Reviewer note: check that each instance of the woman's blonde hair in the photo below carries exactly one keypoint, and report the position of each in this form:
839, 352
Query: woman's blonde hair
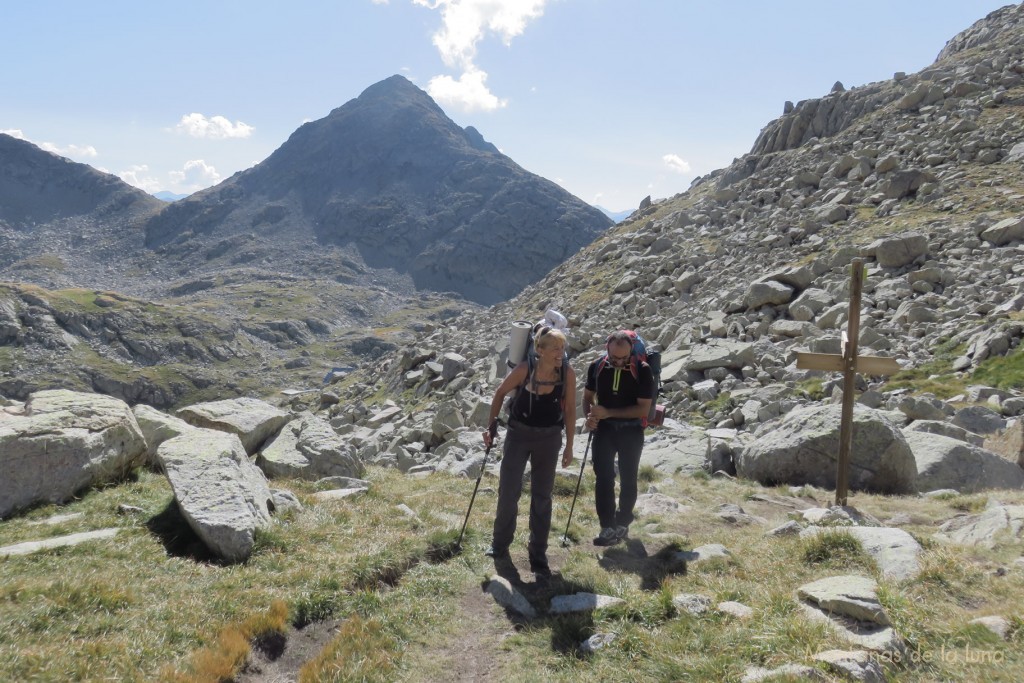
545, 333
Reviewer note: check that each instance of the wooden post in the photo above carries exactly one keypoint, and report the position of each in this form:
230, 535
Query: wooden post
849, 381
849, 364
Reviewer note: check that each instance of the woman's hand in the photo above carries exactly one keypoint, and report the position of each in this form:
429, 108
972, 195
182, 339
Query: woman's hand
487, 438
567, 456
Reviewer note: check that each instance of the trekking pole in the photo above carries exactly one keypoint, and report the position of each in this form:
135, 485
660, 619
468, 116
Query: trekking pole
483, 466
565, 536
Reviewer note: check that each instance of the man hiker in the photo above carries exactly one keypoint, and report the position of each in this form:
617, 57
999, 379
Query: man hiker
617, 398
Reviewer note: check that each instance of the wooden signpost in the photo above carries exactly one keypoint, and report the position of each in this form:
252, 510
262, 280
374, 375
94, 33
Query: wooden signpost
849, 364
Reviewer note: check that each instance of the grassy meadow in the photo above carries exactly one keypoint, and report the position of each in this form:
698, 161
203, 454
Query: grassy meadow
404, 604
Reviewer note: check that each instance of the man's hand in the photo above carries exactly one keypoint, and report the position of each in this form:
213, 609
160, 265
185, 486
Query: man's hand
598, 413
566, 456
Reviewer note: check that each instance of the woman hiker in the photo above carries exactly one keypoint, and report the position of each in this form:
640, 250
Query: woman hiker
543, 406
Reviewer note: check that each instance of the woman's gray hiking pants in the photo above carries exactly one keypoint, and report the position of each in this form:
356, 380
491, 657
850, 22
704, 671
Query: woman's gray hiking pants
541, 446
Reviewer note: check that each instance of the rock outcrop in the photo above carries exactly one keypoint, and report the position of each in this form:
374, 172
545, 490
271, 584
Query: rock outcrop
60, 442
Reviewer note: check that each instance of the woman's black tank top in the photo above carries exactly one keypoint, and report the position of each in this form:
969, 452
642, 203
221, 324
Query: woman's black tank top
545, 411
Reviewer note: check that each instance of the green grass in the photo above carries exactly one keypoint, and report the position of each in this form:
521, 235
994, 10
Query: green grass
1002, 372
137, 609
40, 262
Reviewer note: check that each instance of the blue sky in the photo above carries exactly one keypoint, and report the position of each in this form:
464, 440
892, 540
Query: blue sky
612, 99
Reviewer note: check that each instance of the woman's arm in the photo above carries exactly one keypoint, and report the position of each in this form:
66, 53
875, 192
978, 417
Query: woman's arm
512, 380
569, 413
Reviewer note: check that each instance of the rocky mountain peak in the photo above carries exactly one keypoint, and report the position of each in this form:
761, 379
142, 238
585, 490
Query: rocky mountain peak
389, 174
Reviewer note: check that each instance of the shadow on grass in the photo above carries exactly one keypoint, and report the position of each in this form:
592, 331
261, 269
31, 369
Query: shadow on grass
177, 537
633, 557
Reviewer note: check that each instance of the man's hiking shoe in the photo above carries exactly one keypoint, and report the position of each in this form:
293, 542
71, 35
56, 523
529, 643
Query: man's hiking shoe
622, 532
607, 537
497, 553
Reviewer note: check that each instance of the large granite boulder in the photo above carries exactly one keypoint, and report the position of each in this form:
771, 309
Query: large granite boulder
224, 497
252, 420
157, 427
60, 442
308, 448
804, 449
945, 463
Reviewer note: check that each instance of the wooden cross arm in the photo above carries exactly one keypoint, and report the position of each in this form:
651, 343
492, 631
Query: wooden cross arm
868, 365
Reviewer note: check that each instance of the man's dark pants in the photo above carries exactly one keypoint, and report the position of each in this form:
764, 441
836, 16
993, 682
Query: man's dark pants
626, 441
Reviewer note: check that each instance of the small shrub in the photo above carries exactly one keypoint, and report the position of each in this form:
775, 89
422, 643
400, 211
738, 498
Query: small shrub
835, 548
647, 474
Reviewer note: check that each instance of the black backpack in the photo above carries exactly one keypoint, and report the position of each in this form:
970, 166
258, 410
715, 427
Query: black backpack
531, 374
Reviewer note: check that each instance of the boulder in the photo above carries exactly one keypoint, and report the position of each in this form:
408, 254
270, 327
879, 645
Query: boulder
157, 427
309, 448
979, 419
803, 448
945, 429
899, 250
252, 420
720, 353
60, 442
224, 497
1005, 231
945, 463
767, 293
1010, 443
985, 528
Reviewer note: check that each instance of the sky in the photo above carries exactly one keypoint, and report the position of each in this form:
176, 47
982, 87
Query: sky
614, 100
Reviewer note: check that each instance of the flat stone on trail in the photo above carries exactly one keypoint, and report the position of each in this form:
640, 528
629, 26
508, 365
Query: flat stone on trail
29, 547
893, 550
509, 598
582, 602
339, 494
849, 606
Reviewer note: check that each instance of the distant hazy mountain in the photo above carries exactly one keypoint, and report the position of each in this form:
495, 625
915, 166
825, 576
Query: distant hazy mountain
391, 175
614, 215
167, 196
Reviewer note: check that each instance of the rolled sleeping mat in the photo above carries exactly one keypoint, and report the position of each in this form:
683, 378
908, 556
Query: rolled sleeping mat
518, 340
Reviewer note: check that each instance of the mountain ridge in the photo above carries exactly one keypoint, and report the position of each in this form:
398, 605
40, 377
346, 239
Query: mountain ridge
389, 173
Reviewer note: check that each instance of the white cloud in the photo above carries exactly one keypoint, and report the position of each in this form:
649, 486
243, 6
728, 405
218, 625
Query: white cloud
676, 163
464, 24
71, 151
468, 93
213, 128
196, 175
14, 133
140, 178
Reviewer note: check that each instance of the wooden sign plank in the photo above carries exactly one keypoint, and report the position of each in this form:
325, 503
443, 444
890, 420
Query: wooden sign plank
830, 362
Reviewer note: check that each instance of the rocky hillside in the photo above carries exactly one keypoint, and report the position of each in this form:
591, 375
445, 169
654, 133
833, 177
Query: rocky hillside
58, 216
390, 174
919, 175
261, 335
